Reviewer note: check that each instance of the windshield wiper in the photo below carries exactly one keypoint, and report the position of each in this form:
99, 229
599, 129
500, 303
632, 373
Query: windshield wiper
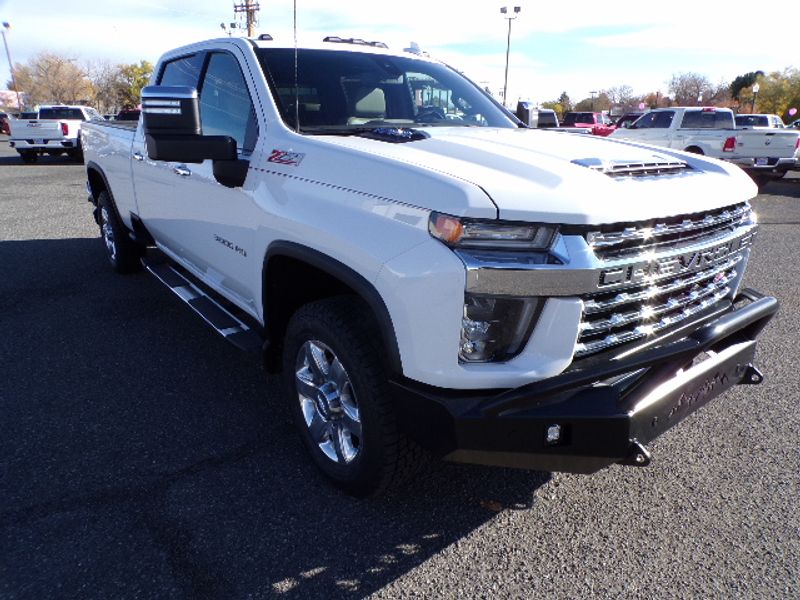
382, 133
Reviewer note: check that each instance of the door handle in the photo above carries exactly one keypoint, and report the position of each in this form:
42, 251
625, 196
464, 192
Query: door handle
181, 170
138, 156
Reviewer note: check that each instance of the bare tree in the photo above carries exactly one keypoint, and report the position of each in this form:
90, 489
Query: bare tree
106, 81
690, 89
48, 77
621, 96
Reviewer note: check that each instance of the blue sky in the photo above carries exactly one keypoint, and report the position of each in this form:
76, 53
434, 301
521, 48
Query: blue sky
575, 47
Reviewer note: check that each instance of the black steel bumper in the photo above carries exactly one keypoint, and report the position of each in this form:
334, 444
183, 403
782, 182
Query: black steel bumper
588, 418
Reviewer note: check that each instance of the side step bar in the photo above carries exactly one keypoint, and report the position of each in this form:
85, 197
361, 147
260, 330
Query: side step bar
212, 312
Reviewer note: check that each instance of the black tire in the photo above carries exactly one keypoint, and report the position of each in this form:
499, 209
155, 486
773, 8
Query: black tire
694, 150
384, 458
76, 154
28, 156
123, 253
761, 181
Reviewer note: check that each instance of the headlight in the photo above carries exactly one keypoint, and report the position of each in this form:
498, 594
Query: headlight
470, 233
495, 329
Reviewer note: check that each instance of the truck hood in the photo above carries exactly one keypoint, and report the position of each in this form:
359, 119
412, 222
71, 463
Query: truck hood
560, 177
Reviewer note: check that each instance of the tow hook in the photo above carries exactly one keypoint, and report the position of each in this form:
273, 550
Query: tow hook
751, 376
638, 455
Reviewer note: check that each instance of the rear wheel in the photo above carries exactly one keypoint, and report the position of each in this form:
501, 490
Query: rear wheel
28, 156
339, 397
123, 253
76, 154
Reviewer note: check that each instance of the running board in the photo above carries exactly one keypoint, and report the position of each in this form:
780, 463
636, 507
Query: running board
212, 312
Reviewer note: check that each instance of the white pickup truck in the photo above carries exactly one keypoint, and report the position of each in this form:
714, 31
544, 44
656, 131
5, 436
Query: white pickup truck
763, 154
56, 131
431, 277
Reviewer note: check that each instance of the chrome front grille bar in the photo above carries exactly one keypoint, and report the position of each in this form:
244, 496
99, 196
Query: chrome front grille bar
647, 312
615, 339
593, 306
599, 240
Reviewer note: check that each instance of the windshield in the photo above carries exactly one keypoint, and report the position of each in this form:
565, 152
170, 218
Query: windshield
752, 121
577, 117
345, 91
61, 113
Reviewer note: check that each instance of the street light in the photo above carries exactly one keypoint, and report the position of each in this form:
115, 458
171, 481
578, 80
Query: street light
504, 11
6, 27
756, 87
593, 93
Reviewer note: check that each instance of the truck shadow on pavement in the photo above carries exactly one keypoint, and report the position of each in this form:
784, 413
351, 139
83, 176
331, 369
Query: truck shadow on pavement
788, 186
44, 161
144, 456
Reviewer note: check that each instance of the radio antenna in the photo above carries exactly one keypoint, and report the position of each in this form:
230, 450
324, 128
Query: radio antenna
296, 88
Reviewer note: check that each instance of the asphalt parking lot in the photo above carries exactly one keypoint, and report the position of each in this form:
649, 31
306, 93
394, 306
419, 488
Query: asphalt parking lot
141, 456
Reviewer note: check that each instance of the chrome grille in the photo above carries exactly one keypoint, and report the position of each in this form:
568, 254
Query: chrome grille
639, 238
654, 303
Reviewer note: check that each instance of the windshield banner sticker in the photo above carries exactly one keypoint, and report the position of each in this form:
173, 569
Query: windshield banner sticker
282, 157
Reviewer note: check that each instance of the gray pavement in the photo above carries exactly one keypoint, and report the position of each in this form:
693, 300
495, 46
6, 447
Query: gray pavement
141, 456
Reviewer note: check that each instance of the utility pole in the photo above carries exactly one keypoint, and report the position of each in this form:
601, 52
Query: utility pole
249, 8
509, 17
6, 27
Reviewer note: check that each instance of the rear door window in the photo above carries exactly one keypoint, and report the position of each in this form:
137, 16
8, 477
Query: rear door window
707, 119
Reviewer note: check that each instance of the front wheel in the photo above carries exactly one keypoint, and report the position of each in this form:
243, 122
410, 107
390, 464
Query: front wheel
123, 253
339, 397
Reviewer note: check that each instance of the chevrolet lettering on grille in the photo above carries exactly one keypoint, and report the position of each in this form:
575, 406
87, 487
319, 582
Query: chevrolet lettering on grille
673, 265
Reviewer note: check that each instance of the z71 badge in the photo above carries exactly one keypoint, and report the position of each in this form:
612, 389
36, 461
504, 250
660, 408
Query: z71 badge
282, 157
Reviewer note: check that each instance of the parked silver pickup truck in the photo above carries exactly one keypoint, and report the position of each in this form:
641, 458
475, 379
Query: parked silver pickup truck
763, 154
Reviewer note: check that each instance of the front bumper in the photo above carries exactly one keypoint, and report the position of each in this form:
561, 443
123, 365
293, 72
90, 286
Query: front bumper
604, 413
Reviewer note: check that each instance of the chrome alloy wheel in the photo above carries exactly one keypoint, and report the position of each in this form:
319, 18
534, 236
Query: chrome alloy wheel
328, 402
108, 234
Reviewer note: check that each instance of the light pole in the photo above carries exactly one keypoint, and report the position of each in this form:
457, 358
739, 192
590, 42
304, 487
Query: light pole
593, 95
508, 18
756, 87
6, 27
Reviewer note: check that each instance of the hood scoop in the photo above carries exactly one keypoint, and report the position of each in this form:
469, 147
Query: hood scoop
659, 165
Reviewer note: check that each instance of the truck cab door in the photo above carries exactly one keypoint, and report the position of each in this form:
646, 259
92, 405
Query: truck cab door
205, 226
662, 133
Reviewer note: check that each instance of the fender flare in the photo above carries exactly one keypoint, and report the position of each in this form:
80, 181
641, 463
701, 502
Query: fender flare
93, 167
349, 277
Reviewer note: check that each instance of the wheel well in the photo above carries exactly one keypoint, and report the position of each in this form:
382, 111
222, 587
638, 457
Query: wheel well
291, 282
97, 183
694, 150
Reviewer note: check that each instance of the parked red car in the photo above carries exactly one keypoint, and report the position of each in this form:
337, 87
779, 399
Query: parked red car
4, 126
598, 123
